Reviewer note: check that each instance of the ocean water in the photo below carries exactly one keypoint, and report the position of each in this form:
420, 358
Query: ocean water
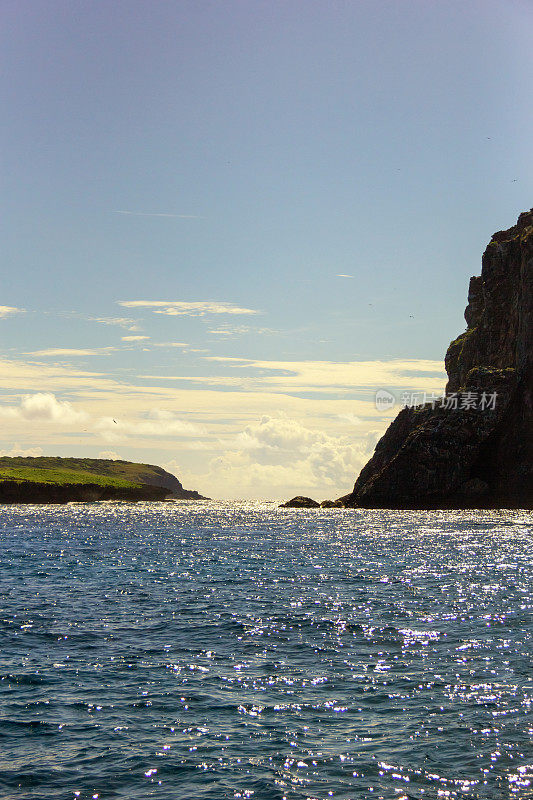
210, 650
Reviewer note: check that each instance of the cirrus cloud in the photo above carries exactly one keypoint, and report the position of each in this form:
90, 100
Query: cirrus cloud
72, 351
157, 422
180, 308
122, 322
7, 311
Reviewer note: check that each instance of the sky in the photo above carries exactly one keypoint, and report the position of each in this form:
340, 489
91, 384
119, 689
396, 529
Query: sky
226, 225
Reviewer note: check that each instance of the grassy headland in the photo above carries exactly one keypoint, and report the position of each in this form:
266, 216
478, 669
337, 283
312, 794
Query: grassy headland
51, 479
59, 477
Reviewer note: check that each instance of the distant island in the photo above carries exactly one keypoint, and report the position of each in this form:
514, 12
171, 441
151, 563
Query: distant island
52, 479
474, 449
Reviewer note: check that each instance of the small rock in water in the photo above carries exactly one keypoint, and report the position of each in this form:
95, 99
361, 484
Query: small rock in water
300, 502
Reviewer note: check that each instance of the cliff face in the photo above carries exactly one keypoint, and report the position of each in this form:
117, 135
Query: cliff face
479, 456
35, 492
160, 477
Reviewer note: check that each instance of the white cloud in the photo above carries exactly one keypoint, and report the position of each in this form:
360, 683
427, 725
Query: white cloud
7, 311
121, 322
332, 376
182, 308
133, 338
110, 454
43, 407
341, 275
72, 351
351, 418
282, 441
171, 344
356, 378
279, 457
229, 359
173, 467
228, 330
17, 450
371, 439
157, 422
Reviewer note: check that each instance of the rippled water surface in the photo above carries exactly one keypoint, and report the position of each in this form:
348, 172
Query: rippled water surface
243, 651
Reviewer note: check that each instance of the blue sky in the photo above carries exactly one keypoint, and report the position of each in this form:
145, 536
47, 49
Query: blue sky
230, 161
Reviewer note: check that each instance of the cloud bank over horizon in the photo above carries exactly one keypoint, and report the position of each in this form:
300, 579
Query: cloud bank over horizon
274, 427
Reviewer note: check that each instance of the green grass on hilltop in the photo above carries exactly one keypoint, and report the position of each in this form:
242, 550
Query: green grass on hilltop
60, 477
124, 470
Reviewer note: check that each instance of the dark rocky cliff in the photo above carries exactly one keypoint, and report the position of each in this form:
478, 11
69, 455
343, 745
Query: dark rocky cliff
477, 457
35, 492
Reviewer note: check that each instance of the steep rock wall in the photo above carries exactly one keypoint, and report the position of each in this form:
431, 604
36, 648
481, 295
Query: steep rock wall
471, 457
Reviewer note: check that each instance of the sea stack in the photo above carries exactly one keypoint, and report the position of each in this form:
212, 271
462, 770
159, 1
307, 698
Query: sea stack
475, 450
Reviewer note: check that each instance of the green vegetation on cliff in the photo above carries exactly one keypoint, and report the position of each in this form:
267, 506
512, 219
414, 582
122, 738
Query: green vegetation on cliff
55, 479
60, 477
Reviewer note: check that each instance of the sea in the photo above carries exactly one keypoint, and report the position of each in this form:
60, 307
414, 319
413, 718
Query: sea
211, 650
